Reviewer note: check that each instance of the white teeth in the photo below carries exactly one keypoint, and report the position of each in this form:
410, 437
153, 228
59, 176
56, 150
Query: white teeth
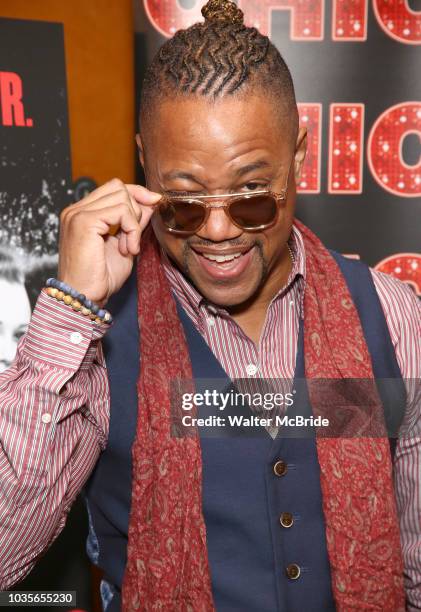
221, 258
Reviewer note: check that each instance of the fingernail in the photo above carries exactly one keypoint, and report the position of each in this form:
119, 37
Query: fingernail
153, 196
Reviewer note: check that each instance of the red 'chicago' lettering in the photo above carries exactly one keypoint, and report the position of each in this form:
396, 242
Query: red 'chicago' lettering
346, 149
384, 149
395, 17
306, 22
346, 132
170, 16
311, 118
12, 110
398, 20
307, 17
404, 266
349, 20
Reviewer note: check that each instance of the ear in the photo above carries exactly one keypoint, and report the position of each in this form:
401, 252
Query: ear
141, 150
300, 152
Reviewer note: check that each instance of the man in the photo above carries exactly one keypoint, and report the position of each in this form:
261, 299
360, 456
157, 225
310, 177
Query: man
225, 287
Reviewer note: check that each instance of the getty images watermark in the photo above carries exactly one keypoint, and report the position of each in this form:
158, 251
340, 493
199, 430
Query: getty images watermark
300, 408
220, 401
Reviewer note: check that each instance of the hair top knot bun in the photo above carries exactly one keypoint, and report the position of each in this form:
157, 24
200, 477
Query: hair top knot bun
222, 11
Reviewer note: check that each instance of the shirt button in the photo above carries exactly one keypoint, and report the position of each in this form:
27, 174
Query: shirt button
46, 417
286, 519
76, 338
211, 322
280, 468
251, 369
293, 571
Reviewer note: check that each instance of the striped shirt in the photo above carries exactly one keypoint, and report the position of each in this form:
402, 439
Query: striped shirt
54, 407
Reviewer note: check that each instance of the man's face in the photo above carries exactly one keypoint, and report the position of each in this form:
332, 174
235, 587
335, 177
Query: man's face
238, 144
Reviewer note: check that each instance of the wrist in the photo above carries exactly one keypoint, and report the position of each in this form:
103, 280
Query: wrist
63, 292
82, 289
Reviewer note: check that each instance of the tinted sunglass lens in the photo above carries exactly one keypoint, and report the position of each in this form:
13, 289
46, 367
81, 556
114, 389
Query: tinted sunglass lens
182, 216
254, 211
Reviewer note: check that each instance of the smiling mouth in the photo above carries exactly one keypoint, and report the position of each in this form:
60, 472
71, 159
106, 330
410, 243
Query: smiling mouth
228, 264
221, 258
212, 253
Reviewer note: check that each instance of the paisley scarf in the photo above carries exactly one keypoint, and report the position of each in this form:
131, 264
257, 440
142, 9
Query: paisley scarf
167, 567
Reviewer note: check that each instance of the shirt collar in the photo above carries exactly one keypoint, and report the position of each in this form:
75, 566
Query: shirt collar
186, 292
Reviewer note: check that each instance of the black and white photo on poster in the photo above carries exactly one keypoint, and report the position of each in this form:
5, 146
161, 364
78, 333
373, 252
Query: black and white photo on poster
35, 171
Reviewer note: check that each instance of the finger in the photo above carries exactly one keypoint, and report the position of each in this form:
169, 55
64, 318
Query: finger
114, 229
122, 244
110, 186
121, 196
134, 195
132, 202
104, 199
142, 212
143, 196
147, 200
100, 221
130, 232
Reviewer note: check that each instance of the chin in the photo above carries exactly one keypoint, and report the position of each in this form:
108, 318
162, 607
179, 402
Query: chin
227, 297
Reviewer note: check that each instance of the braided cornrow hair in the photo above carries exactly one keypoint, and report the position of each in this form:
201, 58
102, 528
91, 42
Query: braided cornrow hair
217, 57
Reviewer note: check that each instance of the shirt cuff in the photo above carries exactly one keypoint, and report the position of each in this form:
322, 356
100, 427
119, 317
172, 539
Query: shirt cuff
61, 337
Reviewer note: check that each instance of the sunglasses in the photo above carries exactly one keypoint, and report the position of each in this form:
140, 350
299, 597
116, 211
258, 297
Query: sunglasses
248, 211
254, 211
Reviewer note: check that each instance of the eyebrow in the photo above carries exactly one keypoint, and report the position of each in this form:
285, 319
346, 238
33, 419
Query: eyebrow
180, 174
257, 165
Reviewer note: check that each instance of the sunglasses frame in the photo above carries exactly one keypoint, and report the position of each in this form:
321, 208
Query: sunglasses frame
228, 200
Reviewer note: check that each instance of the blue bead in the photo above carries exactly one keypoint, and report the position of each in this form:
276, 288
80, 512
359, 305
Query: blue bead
88, 304
95, 308
101, 313
81, 298
73, 293
50, 282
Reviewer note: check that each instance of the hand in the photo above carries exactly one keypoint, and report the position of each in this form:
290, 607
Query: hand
91, 260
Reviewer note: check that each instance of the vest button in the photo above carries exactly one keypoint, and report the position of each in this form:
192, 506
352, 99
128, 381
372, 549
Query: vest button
280, 468
293, 571
286, 519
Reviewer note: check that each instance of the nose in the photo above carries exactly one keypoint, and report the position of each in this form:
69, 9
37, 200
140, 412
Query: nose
219, 226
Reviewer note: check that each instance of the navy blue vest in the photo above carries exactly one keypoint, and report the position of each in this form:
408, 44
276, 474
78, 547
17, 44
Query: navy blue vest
248, 547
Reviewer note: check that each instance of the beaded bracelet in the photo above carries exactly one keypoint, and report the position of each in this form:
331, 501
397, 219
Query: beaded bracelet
79, 302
